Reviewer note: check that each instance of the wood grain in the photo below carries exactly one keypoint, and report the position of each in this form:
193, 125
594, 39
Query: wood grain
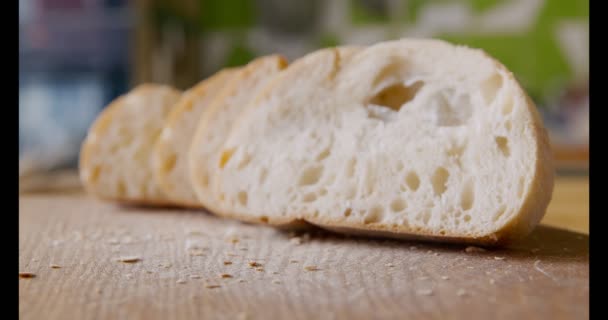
183, 253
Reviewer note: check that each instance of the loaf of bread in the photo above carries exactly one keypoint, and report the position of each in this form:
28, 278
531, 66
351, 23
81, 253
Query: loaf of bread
171, 152
409, 138
218, 118
116, 160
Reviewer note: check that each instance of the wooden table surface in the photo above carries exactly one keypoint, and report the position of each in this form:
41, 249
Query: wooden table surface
94, 260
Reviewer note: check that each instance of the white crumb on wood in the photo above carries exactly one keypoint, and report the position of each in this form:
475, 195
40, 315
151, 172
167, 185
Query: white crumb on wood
445, 277
424, 292
461, 292
492, 281
181, 281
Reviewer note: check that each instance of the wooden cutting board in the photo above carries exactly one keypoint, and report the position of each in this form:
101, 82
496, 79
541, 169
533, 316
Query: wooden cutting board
95, 260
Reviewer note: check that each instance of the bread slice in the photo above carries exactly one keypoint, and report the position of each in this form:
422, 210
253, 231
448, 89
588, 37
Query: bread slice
217, 119
116, 156
412, 138
171, 152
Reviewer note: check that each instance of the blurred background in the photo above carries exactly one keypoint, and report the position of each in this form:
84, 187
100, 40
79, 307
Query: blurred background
78, 55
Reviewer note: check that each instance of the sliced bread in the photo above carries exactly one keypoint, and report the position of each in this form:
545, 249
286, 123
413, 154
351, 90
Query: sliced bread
116, 156
217, 119
412, 138
171, 152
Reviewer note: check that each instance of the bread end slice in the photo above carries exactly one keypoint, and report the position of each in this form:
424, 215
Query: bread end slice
116, 156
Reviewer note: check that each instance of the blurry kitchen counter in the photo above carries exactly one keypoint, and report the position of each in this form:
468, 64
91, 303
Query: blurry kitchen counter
569, 208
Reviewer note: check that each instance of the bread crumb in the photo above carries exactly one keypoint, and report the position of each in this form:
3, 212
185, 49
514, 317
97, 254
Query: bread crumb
311, 268
233, 240
492, 281
54, 266
276, 281
470, 267
232, 254
195, 276
412, 268
225, 275
243, 249
227, 263
436, 253
293, 261
212, 286
413, 247
296, 241
423, 278
254, 264
275, 272
261, 269
424, 292
430, 251
27, 275
149, 271
129, 259
196, 251
242, 280
390, 265
499, 258
461, 292
445, 277
181, 281
472, 249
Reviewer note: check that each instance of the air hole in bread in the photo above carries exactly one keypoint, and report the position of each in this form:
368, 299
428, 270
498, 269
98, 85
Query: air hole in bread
347, 212
490, 87
225, 157
310, 176
374, 215
264, 219
242, 198
309, 197
508, 125
385, 105
94, 174
439, 180
503, 145
398, 205
449, 110
442, 232
324, 154
456, 150
322, 192
508, 106
467, 196
412, 180
499, 213
466, 218
169, 163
